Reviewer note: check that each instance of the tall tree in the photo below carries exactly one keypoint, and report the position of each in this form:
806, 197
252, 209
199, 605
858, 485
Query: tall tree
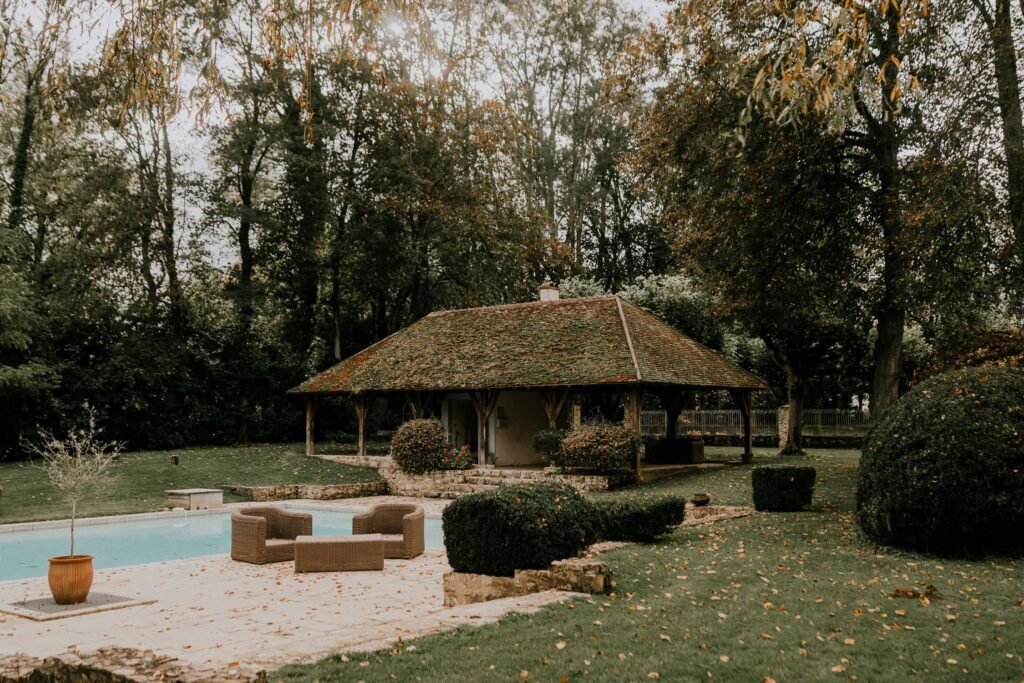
854, 66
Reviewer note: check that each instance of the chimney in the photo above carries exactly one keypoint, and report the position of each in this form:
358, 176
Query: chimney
548, 292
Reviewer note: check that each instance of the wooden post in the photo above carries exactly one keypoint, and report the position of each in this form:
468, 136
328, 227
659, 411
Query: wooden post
634, 401
742, 398
483, 402
672, 400
310, 410
416, 402
554, 404
362, 407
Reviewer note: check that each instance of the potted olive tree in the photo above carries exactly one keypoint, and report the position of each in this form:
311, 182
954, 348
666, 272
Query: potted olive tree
74, 465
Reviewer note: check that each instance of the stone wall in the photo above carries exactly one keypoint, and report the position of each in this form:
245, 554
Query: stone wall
371, 461
428, 485
263, 494
578, 575
454, 483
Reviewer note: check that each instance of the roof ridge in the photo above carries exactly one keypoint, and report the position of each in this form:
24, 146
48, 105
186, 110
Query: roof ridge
690, 339
555, 302
629, 337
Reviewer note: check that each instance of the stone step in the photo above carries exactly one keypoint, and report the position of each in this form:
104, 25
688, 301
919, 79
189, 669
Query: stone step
490, 481
469, 487
507, 474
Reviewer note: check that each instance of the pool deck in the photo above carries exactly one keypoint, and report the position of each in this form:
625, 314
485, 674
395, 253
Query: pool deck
216, 619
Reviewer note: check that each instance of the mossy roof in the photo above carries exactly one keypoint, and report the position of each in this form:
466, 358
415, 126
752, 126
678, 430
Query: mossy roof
586, 342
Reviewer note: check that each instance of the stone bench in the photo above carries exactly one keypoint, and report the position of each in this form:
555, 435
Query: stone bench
195, 499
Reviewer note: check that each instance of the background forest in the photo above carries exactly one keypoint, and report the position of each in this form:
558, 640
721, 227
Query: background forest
199, 210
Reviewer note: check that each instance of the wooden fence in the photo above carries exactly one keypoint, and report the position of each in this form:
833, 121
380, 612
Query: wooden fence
817, 422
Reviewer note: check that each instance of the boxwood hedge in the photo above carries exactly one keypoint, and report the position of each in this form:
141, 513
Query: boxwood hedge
638, 519
943, 470
783, 489
524, 526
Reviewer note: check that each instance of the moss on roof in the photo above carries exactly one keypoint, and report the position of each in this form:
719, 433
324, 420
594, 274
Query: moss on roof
569, 342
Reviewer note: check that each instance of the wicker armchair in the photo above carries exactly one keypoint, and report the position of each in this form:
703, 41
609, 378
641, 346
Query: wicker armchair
401, 525
267, 534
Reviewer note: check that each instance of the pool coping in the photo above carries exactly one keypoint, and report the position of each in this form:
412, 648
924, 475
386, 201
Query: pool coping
295, 503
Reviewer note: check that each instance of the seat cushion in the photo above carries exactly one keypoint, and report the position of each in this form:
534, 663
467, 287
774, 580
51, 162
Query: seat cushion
394, 546
280, 550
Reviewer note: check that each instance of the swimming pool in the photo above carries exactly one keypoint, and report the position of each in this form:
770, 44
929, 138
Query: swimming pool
170, 536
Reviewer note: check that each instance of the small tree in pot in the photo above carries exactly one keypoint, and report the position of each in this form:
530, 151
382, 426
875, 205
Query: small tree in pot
74, 465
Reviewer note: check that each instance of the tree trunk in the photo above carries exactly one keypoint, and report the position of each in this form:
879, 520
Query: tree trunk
246, 300
891, 311
1008, 89
169, 257
19, 171
795, 433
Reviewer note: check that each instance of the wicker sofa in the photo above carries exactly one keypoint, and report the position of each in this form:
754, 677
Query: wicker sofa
401, 525
267, 534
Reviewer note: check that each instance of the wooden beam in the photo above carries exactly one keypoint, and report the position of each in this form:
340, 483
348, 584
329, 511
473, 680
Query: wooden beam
633, 402
362, 407
554, 404
673, 400
483, 402
310, 410
415, 401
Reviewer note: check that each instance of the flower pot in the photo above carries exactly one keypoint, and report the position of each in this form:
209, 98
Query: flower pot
70, 578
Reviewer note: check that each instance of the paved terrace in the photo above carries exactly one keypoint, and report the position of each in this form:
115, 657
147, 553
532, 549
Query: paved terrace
215, 619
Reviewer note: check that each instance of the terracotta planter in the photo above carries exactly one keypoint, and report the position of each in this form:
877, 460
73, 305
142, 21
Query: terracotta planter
70, 578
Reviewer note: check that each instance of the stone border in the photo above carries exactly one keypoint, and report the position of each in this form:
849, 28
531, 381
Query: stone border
263, 494
453, 483
575, 575
697, 516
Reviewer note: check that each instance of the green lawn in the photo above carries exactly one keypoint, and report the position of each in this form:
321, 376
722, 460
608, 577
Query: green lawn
789, 597
139, 480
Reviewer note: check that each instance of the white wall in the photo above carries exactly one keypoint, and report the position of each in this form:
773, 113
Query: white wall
518, 416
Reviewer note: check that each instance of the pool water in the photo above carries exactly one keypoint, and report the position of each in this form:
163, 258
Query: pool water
25, 554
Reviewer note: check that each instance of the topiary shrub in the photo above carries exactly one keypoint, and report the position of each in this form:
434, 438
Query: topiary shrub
517, 527
548, 442
783, 489
638, 519
603, 447
420, 446
943, 470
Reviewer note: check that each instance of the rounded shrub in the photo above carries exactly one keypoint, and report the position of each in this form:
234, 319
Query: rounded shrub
603, 447
422, 446
783, 489
943, 470
548, 442
638, 519
517, 527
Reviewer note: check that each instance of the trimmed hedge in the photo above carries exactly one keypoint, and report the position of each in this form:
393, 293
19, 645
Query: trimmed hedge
783, 489
603, 447
517, 527
638, 519
548, 442
943, 470
420, 446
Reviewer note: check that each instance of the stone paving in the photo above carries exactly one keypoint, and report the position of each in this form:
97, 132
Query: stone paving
216, 619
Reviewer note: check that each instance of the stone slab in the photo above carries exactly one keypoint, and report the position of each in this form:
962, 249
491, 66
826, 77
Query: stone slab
195, 499
45, 609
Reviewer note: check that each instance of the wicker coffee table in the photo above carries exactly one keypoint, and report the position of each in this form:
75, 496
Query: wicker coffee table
339, 553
